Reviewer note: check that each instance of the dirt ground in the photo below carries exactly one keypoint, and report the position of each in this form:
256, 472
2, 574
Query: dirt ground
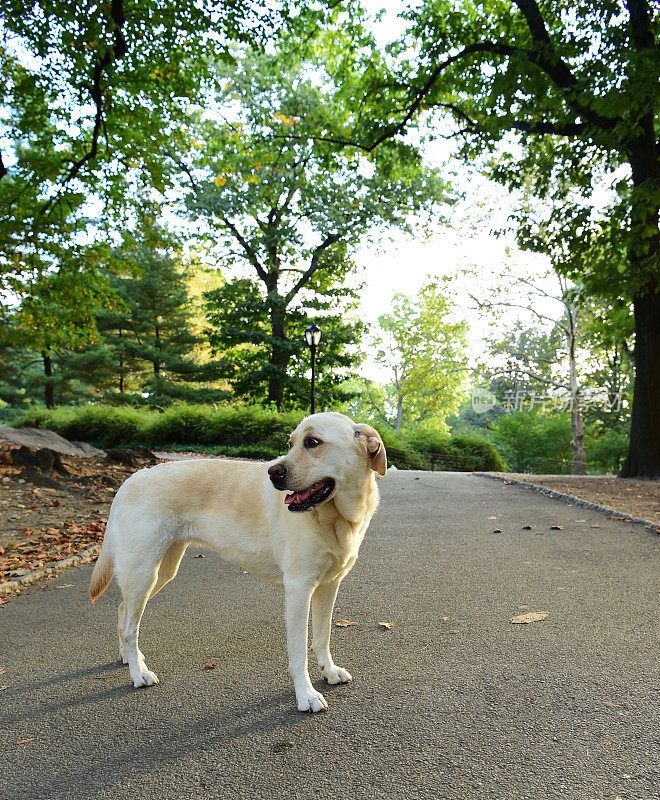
48, 516
638, 498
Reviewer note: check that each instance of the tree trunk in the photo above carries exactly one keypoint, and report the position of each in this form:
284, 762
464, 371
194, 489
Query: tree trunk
49, 389
279, 359
121, 364
399, 413
156, 361
578, 457
643, 459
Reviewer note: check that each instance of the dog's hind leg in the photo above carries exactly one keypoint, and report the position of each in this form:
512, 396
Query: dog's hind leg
167, 569
323, 602
136, 585
169, 566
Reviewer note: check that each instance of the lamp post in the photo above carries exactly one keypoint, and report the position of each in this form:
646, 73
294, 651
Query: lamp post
312, 337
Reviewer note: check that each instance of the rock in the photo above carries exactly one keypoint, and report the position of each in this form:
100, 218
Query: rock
131, 458
43, 459
39, 438
36, 477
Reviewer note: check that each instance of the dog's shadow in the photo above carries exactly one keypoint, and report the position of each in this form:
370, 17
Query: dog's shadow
273, 720
37, 709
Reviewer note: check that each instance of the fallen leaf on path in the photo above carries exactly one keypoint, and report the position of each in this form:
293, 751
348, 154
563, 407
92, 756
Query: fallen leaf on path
344, 623
527, 527
556, 527
387, 625
210, 666
24, 741
532, 616
497, 530
200, 555
492, 517
280, 747
2, 688
64, 586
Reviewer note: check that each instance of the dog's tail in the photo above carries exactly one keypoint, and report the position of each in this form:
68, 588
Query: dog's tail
103, 571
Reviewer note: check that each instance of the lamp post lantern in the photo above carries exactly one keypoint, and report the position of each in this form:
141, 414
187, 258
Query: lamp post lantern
312, 337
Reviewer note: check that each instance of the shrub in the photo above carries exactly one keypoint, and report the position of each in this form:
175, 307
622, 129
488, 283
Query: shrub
244, 431
478, 454
399, 453
252, 429
606, 452
460, 453
533, 442
107, 426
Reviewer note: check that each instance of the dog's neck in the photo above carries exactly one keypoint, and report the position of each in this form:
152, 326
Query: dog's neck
352, 513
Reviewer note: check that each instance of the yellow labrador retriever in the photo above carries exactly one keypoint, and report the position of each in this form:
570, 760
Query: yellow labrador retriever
237, 508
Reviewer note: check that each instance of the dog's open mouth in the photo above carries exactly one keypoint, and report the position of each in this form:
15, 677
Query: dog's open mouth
307, 499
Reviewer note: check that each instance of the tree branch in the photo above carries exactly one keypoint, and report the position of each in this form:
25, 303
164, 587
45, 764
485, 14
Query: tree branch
96, 91
553, 128
327, 242
184, 168
249, 251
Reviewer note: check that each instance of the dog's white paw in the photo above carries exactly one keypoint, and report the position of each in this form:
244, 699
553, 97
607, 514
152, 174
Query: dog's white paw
336, 674
144, 677
312, 700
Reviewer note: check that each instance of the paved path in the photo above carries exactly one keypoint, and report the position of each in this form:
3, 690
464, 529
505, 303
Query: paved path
454, 702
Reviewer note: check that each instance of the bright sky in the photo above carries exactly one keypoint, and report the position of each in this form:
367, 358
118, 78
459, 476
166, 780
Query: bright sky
405, 263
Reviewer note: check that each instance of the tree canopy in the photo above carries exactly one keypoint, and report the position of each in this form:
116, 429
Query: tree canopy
560, 96
287, 206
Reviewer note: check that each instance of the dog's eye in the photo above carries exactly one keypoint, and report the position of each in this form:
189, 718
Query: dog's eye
311, 442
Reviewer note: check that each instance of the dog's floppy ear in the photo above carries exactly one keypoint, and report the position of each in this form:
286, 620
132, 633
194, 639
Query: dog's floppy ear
369, 438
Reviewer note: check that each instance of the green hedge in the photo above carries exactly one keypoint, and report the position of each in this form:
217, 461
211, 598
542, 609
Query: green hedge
246, 431
459, 453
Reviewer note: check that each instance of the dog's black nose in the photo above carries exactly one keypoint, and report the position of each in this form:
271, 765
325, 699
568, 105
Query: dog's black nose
277, 473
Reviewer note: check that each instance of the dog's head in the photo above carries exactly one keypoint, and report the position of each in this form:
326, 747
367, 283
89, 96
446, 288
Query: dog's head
328, 453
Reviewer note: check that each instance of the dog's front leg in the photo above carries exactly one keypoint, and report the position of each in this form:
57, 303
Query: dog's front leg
323, 602
297, 594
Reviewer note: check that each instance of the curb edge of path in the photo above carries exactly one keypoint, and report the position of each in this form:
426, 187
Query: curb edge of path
569, 498
32, 577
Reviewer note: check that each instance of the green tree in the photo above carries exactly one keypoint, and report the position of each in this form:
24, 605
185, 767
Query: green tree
288, 206
577, 85
240, 334
424, 350
57, 309
151, 335
91, 98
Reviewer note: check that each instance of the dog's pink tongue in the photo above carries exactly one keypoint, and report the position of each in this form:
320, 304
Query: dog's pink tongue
297, 497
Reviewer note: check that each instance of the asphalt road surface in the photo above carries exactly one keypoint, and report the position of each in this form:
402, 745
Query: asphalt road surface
453, 702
